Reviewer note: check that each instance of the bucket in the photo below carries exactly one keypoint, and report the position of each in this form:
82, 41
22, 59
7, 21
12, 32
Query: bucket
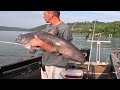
73, 74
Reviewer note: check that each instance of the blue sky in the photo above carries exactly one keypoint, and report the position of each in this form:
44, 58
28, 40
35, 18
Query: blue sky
30, 19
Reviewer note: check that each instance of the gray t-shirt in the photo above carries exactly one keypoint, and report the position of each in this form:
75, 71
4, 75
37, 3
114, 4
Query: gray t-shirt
62, 30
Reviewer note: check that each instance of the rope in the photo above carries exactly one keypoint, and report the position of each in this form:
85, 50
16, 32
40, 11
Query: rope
10, 43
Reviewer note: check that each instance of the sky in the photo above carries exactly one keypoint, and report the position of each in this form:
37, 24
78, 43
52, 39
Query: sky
31, 19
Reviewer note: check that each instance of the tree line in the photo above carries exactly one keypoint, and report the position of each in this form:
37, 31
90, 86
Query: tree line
104, 28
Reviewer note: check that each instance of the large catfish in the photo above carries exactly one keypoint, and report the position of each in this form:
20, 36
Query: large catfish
60, 45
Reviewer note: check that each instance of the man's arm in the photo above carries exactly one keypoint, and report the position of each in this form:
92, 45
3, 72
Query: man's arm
37, 42
67, 34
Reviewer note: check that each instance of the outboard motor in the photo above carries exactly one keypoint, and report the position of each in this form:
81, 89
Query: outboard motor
86, 52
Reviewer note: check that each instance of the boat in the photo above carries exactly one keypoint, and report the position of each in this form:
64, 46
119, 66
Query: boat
115, 70
29, 68
92, 69
95, 69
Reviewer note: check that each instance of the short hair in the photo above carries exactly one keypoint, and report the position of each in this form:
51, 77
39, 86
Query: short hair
56, 13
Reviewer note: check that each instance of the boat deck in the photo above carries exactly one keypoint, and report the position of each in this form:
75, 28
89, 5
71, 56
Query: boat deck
26, 69
99, 70
116, 65
30, 69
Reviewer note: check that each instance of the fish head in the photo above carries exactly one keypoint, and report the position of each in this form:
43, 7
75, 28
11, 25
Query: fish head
21, 39
24, 39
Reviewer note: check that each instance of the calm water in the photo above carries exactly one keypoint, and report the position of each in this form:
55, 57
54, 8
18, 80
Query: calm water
10, 53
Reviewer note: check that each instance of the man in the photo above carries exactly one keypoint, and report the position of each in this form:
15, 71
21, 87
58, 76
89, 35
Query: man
55, 65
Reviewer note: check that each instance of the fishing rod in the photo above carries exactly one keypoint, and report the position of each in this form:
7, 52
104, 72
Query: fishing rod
73, 26
91, 46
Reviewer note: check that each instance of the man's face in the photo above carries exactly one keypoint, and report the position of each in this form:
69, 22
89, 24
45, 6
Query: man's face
47, 16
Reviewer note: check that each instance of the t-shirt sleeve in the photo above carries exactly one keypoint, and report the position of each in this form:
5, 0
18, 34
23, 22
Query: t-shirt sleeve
67, 34
47, 28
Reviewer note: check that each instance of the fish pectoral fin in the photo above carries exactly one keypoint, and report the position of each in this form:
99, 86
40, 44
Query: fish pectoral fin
32, 51
56, 52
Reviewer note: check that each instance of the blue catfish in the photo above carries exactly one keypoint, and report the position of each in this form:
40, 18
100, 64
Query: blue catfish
60, 45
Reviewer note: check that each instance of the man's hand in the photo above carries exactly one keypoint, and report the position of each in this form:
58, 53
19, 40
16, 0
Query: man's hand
37, 42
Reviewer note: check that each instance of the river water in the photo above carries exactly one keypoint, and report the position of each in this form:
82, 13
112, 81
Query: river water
10, 53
